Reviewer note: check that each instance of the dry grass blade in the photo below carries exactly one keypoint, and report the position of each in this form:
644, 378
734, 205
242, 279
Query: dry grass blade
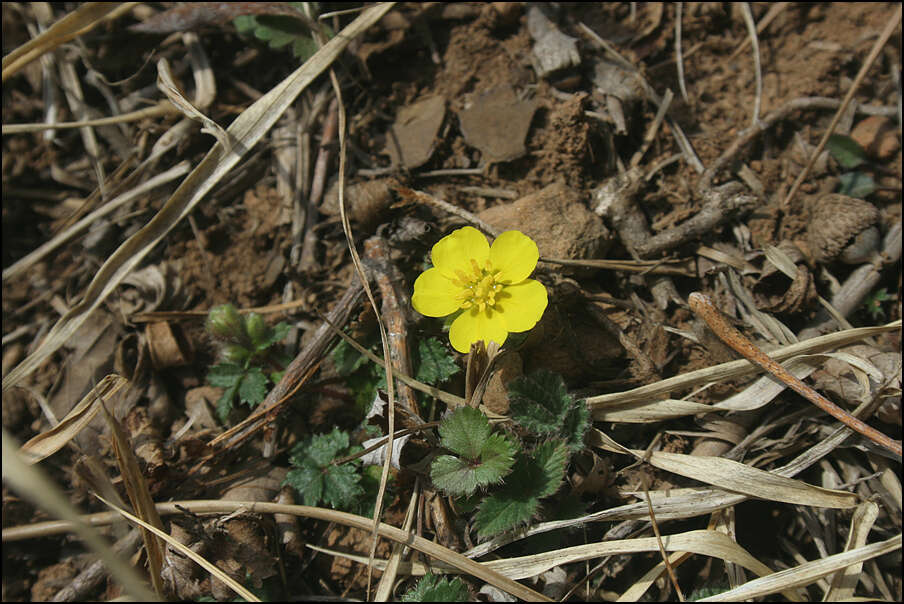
219, 574
49, 442
35, 486
806, 573
434, 550
246, 131
734, 369
139, 495
22, 265
741, 478
80, 21
703, 542
844, 583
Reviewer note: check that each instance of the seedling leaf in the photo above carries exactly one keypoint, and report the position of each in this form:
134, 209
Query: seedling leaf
846, 151
435, 589
465, 432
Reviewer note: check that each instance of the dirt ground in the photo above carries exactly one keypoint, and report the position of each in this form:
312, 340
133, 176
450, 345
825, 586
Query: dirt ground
518, 115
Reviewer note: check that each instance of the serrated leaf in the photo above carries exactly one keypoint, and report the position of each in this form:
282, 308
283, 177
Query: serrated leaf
856, 184
320, 449
453, 475
575, 425
253, 387
341, 486
458, 476
435, 364
308, 481
224, 405
514, 505
435, 589
346, 359
550, 458
464, 432
846, 151
225, 375
539, 401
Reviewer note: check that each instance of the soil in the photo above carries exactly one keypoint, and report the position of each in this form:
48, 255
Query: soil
511, 147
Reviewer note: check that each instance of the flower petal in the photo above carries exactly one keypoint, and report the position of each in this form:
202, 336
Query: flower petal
522, 305
434, 295
454, 251
515, 255
473, 325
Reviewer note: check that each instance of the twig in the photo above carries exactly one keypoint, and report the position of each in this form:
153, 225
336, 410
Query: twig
704, 308
864, 69
395, 303
421, 197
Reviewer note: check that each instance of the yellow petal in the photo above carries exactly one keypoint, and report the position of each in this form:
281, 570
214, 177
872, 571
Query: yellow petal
515, 255
434, 295
473, 325
455, 251
522, 305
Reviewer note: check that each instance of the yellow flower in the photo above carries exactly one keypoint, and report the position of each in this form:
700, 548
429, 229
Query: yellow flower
488, 284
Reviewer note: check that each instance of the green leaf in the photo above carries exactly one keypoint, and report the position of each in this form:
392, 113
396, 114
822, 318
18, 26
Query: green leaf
464, 432
435, 364
540, 401
346, 359
485, 457
308, 481
846, 151
435, 589
340, 486
253, 387
514, 504
575, 425
550, 458
315, 477
320, 449
225, 375
224, 405
533, 477
856, 184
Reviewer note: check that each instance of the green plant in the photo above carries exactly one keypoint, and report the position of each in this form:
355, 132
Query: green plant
873, 303
850, 155
553, 426
317, 478
434, 365
246, 351
282, 30
479, 457
435, 589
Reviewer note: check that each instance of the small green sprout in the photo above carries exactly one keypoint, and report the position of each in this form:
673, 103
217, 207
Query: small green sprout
246, 351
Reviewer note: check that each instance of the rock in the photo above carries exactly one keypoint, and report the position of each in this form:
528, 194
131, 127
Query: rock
878, 136
557, 219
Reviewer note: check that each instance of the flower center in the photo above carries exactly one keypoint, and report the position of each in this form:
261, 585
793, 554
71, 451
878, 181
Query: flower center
479, 287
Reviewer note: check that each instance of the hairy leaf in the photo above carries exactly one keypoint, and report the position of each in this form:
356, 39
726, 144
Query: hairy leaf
435, 589
465, 432
435, 364
539, 401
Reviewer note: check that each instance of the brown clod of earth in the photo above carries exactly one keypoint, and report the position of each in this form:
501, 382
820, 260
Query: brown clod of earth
412, 136
836, 222
496, 123
557, 219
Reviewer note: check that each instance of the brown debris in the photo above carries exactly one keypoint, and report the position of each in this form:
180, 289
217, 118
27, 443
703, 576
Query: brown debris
496, 122
413, 135
842, 227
